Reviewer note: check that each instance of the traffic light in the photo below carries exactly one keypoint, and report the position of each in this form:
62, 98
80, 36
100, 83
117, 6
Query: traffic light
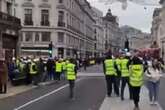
50, 49
126, 46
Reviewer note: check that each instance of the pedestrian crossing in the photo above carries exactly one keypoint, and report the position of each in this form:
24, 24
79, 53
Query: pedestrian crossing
115, 103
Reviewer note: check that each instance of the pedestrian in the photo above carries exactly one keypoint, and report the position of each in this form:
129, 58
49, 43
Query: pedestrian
3, 76
110, 69
58, 69
125, 76
63, 69
153, 82
34, 72
136, 79
50, 71
118, 62
71, 73
40, 69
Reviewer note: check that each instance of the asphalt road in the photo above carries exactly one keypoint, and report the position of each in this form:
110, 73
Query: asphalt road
90, 93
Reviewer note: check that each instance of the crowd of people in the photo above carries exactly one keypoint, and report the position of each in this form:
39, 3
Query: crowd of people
26, 70
135, 71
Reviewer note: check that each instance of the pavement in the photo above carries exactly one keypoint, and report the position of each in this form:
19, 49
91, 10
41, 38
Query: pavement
115, 103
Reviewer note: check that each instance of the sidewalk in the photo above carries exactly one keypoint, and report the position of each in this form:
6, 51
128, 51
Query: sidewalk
115, 103
14, 90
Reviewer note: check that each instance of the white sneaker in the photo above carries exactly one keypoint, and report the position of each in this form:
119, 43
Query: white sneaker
156, 103
151, 102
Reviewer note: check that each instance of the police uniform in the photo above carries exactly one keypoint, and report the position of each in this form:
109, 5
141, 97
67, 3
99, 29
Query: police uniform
110, 72
125, 77
136, 80
58, 68
71, 77
33, 72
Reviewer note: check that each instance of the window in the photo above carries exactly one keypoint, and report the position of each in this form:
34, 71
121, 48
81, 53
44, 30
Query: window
9, 8
60, 1
28, 17
45, 36
60, 37
28, 36
45, 17
61, 19
37, 37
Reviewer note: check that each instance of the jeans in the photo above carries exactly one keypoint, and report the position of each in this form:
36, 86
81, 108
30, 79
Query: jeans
153, 88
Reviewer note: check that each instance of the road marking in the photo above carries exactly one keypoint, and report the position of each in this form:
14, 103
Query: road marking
42, 97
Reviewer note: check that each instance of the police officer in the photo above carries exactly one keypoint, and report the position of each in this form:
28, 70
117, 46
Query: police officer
110, 71
125, 76
58, 69
71, 73
64, 68
118, 62
136, 79
33, 72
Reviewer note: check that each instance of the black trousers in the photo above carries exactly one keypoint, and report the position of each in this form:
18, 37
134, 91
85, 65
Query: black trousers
3, 88
125, 80
111, 81
71, 87
58, 76
136, 95
35, 79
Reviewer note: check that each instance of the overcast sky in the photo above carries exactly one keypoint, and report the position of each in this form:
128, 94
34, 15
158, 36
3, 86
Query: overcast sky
135, 15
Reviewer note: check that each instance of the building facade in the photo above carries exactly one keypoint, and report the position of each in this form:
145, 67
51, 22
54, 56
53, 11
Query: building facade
158, 27
136, 38
65, 23
99, 32
113, 37
9, 29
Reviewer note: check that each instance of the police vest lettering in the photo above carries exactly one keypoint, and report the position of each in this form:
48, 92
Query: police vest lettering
124, 68
136, 76
109, 67
71, 75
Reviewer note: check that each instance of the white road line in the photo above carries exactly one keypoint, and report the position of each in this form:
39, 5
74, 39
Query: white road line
42, 97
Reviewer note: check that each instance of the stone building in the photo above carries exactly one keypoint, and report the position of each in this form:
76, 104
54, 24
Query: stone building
158, 27
136, 38
65, 23
113, 37
9, 29
99, 32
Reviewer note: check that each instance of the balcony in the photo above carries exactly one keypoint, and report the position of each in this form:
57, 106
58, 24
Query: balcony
61, 24
45, 23
7, 19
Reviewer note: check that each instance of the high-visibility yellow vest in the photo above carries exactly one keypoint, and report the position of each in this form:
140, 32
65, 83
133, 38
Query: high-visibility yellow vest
64, 65
71, 75
21, 67
32, 70
109, 67
124, 68
136, 75
118, 62
58, 67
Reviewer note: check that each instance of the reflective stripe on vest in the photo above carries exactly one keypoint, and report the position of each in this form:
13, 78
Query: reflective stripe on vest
109, 67
136, 76
32, 71
71, 75
58, 67
124, 68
